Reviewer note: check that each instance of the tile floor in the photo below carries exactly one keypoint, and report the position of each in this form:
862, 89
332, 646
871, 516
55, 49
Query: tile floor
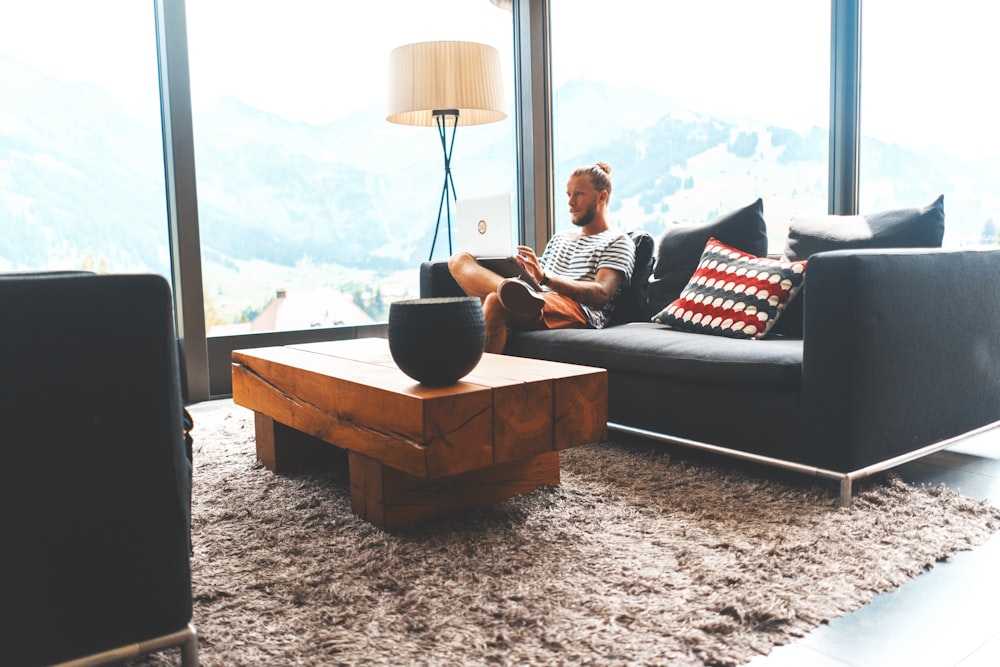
946, 617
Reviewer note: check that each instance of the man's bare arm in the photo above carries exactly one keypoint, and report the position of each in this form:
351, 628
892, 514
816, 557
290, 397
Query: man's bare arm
594, 293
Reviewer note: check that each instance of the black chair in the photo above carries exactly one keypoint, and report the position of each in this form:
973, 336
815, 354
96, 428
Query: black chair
95, 481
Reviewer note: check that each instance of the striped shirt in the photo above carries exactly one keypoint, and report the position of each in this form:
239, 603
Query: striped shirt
572, 255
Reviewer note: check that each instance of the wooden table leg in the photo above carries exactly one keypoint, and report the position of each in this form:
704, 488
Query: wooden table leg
391, 499
283, 449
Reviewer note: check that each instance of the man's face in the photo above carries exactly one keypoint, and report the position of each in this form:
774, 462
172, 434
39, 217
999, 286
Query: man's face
583, 199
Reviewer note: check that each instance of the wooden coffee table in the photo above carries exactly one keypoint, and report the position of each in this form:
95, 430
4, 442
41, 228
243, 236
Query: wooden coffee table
415, 452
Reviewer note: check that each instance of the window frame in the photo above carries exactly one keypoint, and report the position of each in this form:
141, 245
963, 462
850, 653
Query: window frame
207, 361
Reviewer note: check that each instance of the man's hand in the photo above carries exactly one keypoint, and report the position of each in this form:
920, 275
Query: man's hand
598, 292
526, 256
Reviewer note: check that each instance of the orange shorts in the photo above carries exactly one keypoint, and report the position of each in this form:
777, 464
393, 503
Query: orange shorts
561, 312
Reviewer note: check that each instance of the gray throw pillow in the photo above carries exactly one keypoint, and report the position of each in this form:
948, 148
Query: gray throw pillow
899, 228
679, 249
631, 303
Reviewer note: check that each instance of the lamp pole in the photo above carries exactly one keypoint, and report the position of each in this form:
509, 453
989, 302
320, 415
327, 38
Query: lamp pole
441, 120
432, 82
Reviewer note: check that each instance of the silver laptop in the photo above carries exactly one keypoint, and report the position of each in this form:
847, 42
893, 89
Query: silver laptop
484, 226
485, 229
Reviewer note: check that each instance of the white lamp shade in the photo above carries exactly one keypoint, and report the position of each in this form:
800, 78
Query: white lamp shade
430, 76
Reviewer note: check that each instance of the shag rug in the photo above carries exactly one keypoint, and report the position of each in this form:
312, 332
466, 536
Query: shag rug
635, 559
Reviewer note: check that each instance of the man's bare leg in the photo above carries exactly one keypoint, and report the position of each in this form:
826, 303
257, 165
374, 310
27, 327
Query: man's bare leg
474, 279
499, 320
496, 317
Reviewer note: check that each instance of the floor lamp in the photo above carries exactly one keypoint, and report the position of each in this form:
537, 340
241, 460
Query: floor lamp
442, 83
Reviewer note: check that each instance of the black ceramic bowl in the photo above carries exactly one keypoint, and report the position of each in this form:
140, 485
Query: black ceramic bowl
437, 341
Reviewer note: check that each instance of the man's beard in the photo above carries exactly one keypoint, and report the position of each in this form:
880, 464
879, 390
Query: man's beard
587, 217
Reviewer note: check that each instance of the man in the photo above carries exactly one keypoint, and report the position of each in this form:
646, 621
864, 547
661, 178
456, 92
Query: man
581, 271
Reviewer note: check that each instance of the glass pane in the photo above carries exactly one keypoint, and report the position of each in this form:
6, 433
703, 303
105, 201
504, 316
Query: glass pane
314, 210
928, 111
699, 107
81, 150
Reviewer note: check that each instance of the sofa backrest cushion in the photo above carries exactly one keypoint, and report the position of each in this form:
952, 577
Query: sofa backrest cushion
631, 303
436, 280
679, 250
898, 228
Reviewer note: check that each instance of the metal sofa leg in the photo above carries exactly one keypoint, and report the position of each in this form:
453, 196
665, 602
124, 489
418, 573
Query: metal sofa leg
846, 491
186, 640
189, 649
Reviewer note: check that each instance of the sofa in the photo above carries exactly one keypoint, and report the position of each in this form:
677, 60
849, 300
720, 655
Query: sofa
95, 565
885, 351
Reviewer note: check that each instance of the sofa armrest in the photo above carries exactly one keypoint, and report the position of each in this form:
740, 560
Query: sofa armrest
436, 280
900, 351
97, 554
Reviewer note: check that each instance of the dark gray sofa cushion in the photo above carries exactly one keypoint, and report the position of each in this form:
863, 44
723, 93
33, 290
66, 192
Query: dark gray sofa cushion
679, 249
645, 348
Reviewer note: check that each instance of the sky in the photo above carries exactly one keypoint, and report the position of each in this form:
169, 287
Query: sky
306, 60
702, 54
707, 56
56, 37
314, 60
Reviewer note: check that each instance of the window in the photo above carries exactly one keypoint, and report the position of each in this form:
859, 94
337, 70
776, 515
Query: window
81, 153
314, 210
699, 107
928, 109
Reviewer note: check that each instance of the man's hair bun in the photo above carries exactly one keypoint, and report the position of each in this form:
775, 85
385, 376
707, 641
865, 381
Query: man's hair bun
599, 174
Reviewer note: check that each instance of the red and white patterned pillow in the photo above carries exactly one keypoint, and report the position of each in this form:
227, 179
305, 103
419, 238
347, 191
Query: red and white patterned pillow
734, 294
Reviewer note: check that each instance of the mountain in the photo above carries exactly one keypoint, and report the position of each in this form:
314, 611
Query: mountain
81, 179
77, 174
359, 189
